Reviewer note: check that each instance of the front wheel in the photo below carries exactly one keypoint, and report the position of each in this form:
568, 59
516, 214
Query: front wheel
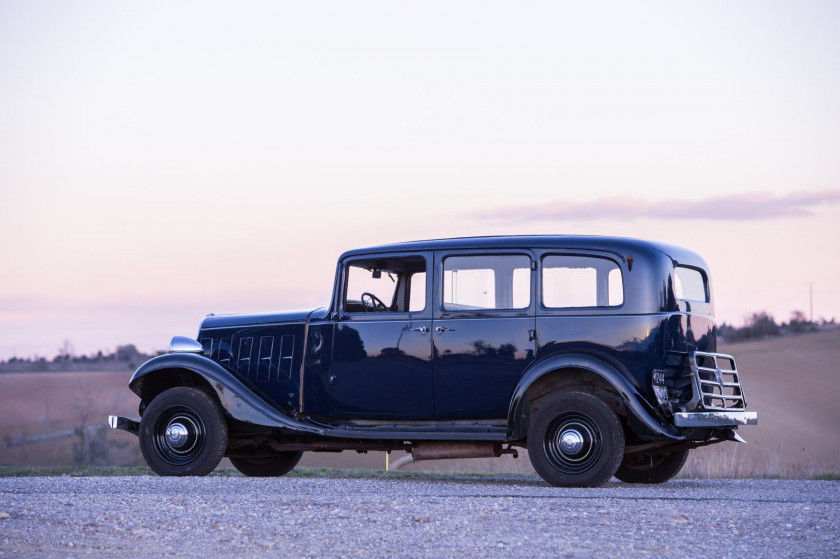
651, 469
183, 433
575, 440
274, 465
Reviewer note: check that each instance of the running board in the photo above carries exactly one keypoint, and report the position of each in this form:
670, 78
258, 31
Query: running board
495, 434
384, 432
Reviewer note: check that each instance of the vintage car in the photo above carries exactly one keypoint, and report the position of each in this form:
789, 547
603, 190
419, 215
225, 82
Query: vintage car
596, 354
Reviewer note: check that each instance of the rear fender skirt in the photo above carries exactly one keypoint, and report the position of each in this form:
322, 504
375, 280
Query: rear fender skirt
634, 402
236, 398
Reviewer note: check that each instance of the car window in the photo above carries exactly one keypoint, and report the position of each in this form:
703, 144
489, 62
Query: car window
385, 285
689, 284
570, 281
417, 295
486, 282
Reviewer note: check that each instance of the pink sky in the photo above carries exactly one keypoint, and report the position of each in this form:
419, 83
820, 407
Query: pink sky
161, 162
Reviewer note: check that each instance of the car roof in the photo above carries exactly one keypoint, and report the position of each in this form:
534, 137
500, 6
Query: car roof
619, 245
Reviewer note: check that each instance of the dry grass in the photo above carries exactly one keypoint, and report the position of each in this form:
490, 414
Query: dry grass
729, 460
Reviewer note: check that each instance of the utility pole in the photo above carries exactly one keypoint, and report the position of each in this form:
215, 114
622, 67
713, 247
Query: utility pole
811, 293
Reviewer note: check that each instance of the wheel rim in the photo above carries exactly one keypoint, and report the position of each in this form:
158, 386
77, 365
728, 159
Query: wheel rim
179, 435
573, 442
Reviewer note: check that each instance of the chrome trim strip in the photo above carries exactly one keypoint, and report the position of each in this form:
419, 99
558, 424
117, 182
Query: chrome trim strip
715, 418
183, 344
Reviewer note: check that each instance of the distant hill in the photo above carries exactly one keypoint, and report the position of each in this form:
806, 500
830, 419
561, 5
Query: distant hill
793, 382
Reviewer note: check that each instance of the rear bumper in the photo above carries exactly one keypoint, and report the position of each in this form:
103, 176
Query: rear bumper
716, 419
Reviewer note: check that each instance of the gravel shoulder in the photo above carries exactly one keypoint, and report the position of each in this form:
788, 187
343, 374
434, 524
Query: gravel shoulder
452, 516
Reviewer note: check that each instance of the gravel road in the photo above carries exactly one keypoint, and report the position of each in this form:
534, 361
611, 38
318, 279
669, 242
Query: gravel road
450, 517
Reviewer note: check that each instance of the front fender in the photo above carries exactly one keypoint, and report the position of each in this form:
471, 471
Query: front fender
634, 402
236, 398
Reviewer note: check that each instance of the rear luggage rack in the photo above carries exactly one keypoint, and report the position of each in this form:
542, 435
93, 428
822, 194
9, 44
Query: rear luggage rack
717, 382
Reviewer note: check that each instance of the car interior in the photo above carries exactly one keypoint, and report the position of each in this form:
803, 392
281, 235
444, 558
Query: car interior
385, 285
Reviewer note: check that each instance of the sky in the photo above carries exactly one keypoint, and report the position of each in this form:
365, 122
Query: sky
163, 160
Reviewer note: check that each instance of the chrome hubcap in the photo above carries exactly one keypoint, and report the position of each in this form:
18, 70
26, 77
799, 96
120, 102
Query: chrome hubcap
571, 441
180, 435
176, 435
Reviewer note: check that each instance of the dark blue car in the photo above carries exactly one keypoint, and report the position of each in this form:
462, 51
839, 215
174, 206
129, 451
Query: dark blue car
596, 354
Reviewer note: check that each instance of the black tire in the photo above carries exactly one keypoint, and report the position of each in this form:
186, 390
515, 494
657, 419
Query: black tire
183, 433
594, 444
275, 465
651, 469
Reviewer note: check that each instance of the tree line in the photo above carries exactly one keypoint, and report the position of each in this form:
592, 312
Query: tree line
760, 325
125, 357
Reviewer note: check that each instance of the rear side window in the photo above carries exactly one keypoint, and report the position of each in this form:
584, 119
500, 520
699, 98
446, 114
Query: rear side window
581, 281
690, 284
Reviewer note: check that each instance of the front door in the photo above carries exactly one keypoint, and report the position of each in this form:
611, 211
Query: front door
483, 331
382, 354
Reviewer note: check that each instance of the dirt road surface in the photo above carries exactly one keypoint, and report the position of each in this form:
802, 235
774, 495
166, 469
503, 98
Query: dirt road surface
455, 516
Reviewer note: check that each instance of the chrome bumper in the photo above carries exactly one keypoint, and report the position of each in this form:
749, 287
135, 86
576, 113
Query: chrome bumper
124, 424
715, 419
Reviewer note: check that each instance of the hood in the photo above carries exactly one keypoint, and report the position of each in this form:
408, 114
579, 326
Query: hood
236, 320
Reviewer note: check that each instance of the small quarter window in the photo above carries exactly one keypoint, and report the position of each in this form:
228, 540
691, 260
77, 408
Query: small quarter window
581, 281
417, 296
689, 284
486, 282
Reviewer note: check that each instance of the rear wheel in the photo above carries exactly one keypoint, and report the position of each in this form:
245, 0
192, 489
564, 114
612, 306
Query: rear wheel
266, 466
651, 469
575, 440
183, 433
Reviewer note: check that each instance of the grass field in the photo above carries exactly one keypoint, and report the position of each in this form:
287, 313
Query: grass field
794, 385
58, 419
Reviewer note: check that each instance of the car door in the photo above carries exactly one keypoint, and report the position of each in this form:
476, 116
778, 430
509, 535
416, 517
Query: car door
382, 352
483, 330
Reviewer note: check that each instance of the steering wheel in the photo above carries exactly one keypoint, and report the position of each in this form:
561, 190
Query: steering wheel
374, 304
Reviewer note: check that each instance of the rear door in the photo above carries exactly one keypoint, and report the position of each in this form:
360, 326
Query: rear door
483, 330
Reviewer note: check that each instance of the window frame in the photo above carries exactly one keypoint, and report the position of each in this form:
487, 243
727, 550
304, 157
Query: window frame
441, 312
572, 310
344, 266
706, 289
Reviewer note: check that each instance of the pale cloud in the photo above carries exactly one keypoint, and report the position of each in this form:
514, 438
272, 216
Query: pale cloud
755, 206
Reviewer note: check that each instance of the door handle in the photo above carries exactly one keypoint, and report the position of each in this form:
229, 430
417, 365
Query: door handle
422, 329
442, 329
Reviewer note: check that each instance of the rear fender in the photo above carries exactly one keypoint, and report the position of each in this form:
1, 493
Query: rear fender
238, 400
638, 411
